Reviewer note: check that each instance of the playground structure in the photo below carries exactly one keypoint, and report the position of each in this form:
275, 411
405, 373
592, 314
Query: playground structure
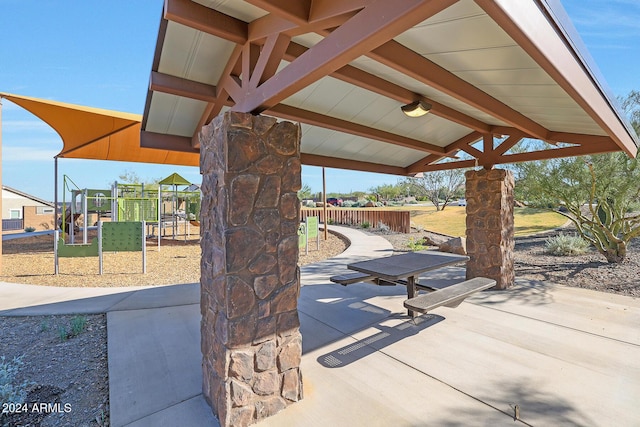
127, 215
163, 208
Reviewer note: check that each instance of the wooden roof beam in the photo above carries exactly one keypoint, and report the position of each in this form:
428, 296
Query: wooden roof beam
322, 14
372, 26
293, 11
335, 162
164, 141
202, 18
449, 150
311, 118
182, 87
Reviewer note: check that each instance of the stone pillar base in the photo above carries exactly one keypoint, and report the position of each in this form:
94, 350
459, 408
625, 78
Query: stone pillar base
490, 229
250, 281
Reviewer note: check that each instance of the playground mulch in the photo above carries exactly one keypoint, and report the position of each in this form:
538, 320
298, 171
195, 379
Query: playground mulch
30, 260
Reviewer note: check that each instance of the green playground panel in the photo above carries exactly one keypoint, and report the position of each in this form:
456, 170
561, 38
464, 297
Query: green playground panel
312, 227
302, 238
99, 200
138, 210
77, 251
122, 236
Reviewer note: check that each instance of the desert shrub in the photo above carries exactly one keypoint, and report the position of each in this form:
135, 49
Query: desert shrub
10, 392
348, 204
383, 227
566, 245
412, 202
77, 325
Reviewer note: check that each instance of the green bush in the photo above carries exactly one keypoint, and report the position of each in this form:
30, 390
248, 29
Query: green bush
29, 229
566, 245
365, 224
349, 204
416, 244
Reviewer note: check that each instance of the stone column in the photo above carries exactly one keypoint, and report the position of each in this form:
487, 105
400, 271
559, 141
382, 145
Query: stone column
250, 281
490, 232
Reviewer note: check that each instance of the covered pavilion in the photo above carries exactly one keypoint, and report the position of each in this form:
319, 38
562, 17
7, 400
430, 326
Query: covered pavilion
351, 74
489, 72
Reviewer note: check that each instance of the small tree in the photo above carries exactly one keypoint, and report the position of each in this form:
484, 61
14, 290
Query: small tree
599, 194
438, 186
387, 191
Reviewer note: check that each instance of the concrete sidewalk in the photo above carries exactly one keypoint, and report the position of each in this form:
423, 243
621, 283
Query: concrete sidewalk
562, 356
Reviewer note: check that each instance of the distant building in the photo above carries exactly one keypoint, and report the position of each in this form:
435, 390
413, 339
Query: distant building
21, 210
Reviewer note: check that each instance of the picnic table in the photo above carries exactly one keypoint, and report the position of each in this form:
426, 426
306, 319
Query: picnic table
405, 269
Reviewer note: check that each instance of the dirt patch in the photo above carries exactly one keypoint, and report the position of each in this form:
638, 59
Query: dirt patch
66, 374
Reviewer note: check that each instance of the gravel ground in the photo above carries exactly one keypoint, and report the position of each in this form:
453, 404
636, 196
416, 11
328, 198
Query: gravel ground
70, 372
73, 370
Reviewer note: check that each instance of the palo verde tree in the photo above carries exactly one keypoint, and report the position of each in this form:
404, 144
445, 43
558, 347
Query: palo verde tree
599, 194
440, 187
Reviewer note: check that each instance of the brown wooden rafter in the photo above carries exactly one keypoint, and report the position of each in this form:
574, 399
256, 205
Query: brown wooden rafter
490, 156
375, 24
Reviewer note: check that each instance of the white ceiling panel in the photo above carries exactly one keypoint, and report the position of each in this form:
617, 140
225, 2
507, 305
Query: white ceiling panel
173, 114
193, 55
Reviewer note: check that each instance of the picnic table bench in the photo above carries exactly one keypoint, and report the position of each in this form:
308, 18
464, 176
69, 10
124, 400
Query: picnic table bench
450, 296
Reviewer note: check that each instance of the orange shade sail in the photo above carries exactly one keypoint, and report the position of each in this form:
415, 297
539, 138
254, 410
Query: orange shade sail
97, 134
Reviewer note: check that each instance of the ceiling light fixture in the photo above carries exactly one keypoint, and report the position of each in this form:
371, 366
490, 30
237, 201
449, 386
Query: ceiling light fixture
416, 109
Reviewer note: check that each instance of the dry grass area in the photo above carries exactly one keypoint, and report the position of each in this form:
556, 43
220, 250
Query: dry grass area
30, 260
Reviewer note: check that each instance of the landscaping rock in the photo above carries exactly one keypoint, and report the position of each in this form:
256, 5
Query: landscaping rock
456, 245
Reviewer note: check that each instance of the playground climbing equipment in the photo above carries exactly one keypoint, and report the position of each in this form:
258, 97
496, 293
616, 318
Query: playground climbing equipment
112, 237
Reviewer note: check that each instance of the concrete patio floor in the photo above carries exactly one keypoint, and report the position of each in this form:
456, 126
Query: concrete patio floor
560, 355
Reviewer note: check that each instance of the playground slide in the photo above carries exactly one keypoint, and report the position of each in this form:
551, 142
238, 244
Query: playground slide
69, 220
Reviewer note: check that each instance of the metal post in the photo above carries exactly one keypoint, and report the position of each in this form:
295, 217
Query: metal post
85, 212
100, 246
72, 228
55, 192
144, 248
56, 237
324, 204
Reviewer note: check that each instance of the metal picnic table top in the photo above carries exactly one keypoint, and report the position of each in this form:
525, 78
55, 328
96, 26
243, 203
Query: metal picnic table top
411, 264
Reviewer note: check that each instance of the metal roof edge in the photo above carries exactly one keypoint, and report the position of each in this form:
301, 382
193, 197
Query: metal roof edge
558, 16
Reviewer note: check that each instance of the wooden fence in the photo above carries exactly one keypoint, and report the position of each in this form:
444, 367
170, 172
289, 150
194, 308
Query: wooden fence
399, 221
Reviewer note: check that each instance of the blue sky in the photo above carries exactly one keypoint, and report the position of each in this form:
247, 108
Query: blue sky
99, 54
